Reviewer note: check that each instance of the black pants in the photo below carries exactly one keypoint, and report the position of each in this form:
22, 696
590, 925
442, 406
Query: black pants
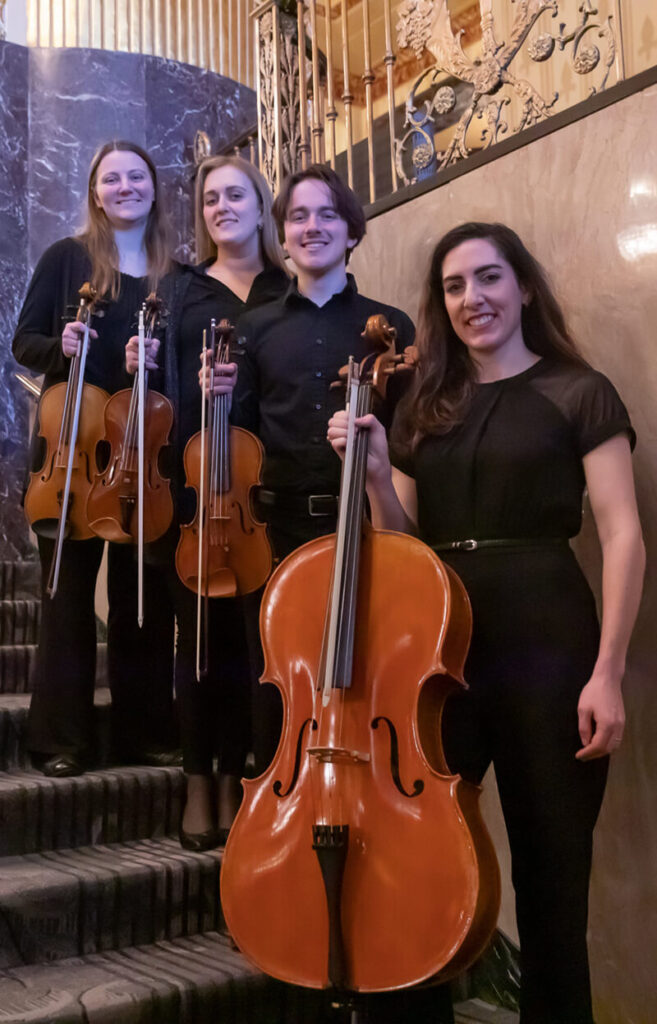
535, 641
140, 661
215, 714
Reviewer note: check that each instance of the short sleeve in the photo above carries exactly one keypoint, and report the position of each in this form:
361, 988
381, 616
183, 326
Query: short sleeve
401, 457
598, 412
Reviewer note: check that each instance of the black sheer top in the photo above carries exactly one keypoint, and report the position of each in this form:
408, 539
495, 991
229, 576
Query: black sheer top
513, 468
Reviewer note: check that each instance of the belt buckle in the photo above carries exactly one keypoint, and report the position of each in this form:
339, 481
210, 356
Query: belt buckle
314, 511
465, 545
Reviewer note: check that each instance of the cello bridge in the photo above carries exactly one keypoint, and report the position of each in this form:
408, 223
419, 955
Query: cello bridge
338, 755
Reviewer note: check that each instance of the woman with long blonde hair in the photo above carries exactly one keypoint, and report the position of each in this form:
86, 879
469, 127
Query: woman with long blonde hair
123, 251
241, 267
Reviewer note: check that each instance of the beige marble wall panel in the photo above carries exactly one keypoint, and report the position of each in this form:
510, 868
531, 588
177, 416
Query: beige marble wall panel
584, 199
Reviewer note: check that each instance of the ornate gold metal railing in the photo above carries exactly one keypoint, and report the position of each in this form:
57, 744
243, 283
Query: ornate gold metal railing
392, 91
214, 34
387, 91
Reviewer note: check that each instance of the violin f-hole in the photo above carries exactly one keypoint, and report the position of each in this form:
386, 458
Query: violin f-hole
418, 785
245, 529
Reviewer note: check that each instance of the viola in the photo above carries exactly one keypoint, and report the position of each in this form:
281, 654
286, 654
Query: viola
224, 551
356, 860
113, 502
70, 420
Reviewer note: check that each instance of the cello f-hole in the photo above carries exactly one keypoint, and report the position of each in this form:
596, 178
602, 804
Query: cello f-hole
278, 785
418, 785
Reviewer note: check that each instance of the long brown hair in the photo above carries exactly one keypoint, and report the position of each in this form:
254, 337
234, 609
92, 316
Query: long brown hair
445, 379
270, 248
98, 235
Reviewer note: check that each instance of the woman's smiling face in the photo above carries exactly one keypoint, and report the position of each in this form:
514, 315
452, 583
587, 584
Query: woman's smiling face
483, 297
124, 188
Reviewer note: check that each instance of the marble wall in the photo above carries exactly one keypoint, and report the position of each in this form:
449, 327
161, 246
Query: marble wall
13, 279
56, 107
584, 199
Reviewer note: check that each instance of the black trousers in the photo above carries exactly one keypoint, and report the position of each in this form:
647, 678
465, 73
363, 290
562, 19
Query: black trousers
140, 661
215, 712
534, 645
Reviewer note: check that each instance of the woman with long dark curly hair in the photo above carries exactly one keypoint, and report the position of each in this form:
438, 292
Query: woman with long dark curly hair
504, 428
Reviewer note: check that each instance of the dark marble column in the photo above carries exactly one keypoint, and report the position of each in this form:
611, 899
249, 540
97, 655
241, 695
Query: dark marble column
14, 402
78, 100
180, 100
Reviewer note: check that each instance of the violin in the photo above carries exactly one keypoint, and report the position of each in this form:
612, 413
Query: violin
113, 502
356, 860
71, 423
224, 551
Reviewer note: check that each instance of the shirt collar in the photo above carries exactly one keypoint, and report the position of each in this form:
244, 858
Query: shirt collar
294, 295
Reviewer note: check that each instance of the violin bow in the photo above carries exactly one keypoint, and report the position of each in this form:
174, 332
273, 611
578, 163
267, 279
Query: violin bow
202, 511
76, 380
141, 394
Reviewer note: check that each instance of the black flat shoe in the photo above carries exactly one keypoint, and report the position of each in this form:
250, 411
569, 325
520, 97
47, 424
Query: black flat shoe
198, 842
61, 766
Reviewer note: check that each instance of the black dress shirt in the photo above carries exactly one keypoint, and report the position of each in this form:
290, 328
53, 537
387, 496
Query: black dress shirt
292, 351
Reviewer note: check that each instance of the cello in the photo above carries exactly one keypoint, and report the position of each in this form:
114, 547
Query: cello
71, 423
224, 551
357, 861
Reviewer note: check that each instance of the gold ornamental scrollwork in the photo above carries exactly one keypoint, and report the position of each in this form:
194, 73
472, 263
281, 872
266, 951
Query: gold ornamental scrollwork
279, 119
485, 85
267, 94
3, 19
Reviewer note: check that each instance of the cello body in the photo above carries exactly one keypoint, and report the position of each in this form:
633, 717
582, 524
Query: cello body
418, 893
112, 500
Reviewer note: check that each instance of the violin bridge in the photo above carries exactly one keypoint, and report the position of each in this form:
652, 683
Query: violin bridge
338, 755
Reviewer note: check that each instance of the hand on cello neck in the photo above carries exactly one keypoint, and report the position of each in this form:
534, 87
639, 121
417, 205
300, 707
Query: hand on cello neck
378, 460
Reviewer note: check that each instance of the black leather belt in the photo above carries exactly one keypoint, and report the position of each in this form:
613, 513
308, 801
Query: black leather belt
300, 504
502, 542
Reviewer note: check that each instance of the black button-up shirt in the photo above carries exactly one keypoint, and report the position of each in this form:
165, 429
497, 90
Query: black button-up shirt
292, 351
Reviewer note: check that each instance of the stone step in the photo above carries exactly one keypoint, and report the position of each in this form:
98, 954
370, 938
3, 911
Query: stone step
74, 902
20, 580
17, 660
201, 979
106, 806
19, 622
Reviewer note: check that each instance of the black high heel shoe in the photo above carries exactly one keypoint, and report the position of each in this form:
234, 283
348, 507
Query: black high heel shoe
198, 842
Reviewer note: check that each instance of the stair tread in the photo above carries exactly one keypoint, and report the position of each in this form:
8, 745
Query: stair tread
105, 805
169, 975
33, 871
87, 899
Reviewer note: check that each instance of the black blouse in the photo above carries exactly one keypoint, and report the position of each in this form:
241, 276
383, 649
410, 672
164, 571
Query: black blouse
513, 468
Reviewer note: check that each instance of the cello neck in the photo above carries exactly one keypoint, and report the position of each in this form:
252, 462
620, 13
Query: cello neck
338, 647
